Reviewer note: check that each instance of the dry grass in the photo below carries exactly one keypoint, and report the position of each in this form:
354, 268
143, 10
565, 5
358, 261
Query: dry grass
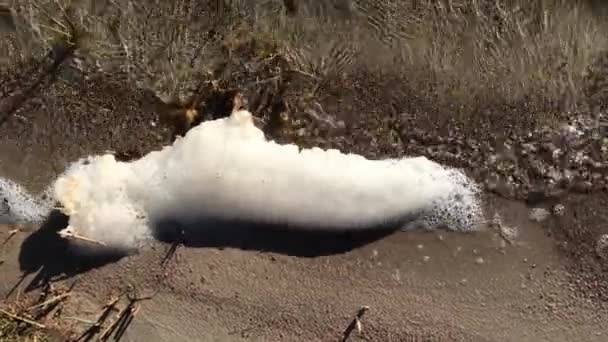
11, 331
15, 331
169, 47
22, 319
460, 52
456, 54
83, 26
508, 53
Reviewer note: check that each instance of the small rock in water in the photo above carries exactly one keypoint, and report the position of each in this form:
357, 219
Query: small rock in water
539, 214
479, 261
559, 209
601, 244
426, 258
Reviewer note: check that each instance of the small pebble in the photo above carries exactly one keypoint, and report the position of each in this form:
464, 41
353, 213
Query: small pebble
397, 275
601, 244
479, 261
558, 210
426, 258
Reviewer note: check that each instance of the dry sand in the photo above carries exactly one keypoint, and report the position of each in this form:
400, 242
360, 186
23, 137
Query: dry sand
419, 286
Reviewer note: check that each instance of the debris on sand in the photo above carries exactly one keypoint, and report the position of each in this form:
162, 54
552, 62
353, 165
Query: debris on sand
355, 324
22, 319
558, 210
506, 232
539, 214
68, 233
601, 246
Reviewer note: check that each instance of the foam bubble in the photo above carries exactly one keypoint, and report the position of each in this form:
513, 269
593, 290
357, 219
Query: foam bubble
226, 169
458, 209
18, 206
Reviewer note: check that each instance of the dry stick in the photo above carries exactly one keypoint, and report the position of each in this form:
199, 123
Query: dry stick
22, 319
111, 303
68, 234
174, 246
123, 318
110, 329
304, 73
122, 327
354, 324
78, 319
50, 301
170, 253
93, 329
105, 310
11, 233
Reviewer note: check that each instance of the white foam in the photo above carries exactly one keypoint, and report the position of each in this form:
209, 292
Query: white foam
18, 206
226, 169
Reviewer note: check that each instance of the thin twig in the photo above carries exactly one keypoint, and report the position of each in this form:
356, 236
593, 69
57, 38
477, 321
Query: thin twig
81, 320
110, 329
126, 322
94, 329
50, 301
304, 73
11, 233
22, 319
67, 233
354, 324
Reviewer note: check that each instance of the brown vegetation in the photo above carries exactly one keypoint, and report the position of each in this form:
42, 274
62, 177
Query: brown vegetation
466, 55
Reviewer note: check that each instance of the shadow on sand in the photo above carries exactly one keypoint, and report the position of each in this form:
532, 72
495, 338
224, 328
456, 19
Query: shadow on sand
282, 239
51, 257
